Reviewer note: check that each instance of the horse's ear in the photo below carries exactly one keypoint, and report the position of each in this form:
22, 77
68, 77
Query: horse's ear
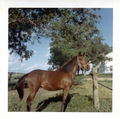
80, 54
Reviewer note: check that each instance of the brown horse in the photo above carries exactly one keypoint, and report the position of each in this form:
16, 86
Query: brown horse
62, 78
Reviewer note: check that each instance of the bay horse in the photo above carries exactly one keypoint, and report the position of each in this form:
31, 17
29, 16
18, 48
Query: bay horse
61, 78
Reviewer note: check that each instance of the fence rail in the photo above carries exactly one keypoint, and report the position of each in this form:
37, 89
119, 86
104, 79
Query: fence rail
105, 86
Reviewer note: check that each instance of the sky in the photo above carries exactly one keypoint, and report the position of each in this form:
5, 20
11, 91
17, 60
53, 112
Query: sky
106, 25
39, 60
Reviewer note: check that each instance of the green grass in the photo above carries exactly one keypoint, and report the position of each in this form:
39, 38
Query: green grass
79, 99
99, 76
105, 75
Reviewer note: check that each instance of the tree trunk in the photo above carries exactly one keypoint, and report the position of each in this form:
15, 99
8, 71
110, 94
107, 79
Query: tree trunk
95, 88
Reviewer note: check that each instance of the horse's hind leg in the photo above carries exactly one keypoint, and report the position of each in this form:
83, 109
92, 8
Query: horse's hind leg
65, 94
31, 96
29, 100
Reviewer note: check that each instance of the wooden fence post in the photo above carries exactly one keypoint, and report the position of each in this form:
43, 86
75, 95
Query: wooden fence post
95, 88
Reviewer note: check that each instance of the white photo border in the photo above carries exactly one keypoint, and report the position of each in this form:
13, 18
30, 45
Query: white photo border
6, 4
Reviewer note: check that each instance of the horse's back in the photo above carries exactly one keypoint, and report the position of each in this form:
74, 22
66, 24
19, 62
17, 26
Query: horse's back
50, 80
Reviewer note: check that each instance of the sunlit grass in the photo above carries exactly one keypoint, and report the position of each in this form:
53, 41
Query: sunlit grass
80, 99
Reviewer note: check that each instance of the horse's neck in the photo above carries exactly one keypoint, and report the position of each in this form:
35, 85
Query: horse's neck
70, 67
73, 72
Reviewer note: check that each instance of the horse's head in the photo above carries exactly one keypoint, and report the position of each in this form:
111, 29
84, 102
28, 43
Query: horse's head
82, 62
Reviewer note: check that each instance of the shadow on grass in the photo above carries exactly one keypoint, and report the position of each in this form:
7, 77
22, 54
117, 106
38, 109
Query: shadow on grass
42, 105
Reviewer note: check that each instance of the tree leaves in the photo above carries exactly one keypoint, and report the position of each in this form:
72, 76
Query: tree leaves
23, 22
76, 31
71, 30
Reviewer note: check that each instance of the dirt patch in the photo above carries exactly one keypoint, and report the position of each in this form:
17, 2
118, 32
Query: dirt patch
100, 79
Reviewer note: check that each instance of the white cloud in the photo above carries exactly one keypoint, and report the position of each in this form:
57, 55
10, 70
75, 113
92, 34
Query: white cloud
45, 65
35, 52
48, 52
42, 66
12, 59
16, 65
36, 66
23, 64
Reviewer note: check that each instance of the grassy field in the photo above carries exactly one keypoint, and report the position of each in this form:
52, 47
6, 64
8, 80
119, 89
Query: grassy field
79, 100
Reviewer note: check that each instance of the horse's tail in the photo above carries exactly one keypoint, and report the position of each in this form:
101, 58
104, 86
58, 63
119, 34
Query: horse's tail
20, 86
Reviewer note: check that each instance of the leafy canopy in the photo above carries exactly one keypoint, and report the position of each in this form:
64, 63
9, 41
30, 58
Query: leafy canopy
71, 30
76, 31
23, 22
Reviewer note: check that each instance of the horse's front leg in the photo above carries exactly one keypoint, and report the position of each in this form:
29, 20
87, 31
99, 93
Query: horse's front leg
65, 94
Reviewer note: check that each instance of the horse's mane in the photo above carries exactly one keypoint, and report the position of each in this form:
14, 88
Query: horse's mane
68, 62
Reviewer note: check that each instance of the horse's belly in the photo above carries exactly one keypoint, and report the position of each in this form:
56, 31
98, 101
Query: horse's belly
49, 86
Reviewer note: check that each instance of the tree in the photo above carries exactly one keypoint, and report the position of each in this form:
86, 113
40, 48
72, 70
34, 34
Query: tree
71, 31
76, 31
23, 22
